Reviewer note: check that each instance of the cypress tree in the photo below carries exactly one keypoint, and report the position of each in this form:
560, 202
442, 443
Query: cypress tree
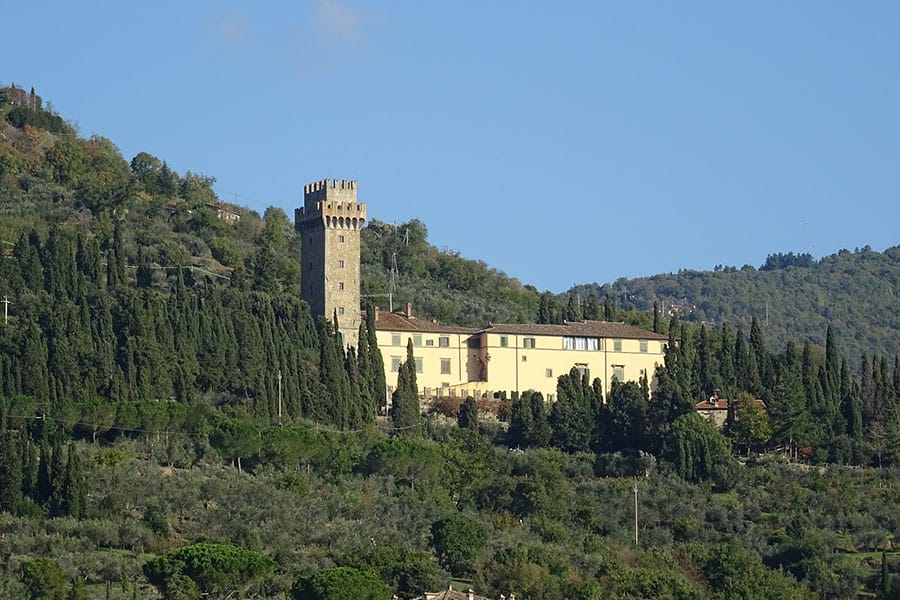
592, 311
517, 436
357, 407
573, 309
468, 414
74, 488
29, 466
57, 480
378, 383
44, 488
609, 309
725, 361
10, 474
405, 411
364, 373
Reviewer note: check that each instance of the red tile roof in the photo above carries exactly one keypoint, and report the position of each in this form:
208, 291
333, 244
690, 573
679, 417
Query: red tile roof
712, 404
603, 329
388, 321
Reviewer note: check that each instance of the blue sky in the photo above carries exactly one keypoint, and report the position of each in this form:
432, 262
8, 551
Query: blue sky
563, 143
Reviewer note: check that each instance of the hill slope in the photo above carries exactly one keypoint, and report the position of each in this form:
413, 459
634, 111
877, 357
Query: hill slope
855, 292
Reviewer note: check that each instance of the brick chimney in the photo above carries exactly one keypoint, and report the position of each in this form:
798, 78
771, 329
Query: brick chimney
409, 310
470, 594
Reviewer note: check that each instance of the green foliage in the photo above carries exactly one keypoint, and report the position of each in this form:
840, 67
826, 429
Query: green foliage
218, 569
699, 452
457, 540
44, 580
341, 583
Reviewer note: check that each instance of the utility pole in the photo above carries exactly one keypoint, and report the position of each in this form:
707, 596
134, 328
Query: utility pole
279, 397
5, 310
635, 515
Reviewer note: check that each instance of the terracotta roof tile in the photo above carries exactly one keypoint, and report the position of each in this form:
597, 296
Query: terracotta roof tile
603, 329
388, 321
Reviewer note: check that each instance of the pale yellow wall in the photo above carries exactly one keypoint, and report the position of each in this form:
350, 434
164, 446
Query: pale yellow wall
513, 367
393, 346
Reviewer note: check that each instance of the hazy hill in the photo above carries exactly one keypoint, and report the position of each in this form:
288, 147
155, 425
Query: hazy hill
794, 297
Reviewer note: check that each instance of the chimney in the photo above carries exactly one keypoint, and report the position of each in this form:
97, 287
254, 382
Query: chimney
376, 313
409, 310
470, 594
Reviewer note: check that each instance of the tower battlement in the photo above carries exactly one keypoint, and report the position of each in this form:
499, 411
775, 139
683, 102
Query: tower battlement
325, 190
331, 202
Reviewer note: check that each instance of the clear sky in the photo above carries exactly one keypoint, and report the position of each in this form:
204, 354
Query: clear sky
561, 142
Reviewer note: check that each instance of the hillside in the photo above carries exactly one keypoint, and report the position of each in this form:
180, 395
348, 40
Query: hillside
794, 297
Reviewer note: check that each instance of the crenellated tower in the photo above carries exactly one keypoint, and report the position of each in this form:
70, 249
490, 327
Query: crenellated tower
329, 223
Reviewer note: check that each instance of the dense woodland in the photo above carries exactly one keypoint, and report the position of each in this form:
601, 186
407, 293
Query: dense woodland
176, 424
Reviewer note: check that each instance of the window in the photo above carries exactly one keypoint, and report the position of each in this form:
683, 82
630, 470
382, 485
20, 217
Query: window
340, 310
444, 342
395, 339
549, 372
643, 345
341, 239
528, 342
524, 358
418, 360
617, 345
445, 366
340, 264
395, 364
417, 340
619, 373
504, 341
583, 370
581, 343
429, 342
341, 285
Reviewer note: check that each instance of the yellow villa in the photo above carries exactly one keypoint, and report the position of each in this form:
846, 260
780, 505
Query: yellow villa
513, 358
454, 361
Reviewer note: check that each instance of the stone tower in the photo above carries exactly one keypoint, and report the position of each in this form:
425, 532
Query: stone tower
329, 223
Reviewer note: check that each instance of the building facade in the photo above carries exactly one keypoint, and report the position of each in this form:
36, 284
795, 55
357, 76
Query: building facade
329, 223
454, 361
514, 358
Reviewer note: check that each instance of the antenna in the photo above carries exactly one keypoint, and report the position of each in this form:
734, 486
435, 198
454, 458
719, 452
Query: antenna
395, 274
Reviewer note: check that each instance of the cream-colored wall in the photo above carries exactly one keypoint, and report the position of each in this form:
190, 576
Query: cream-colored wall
430, 380
514, 368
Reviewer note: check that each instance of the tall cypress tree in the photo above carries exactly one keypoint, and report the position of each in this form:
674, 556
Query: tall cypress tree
10, 474
44, 488
377, 382
57, 479
405, 412
74, 489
